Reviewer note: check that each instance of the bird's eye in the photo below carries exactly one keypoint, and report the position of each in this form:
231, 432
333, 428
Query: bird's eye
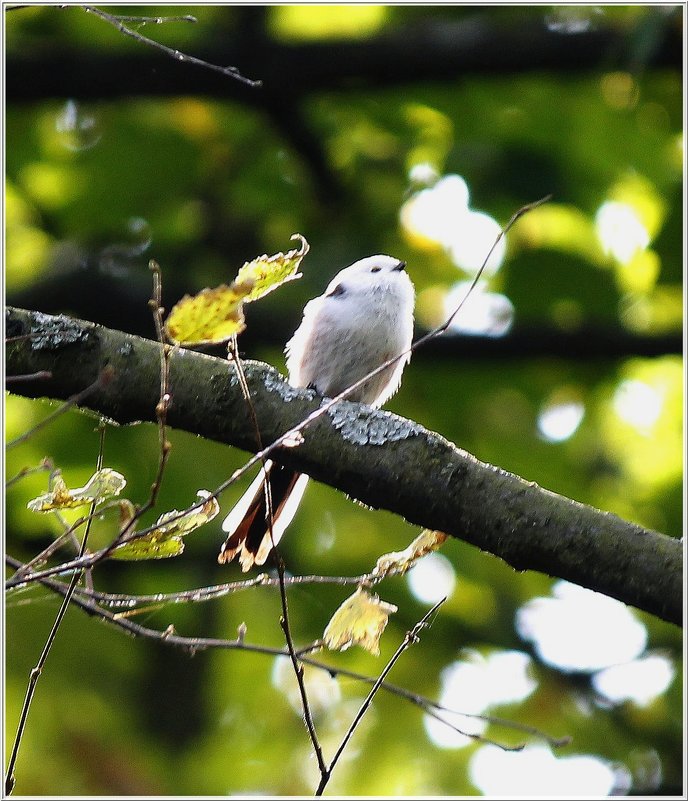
375, 269
337, 292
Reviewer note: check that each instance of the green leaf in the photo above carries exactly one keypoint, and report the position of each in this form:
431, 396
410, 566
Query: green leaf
167, 539
103, 484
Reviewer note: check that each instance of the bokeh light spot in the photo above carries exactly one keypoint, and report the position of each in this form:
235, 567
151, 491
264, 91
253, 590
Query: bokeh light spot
535, 771
620, 230
308, 22
620, 90
559, 419
641, 680
472, 687
485, 313
638, 404
432, 578
600, 631
440, 217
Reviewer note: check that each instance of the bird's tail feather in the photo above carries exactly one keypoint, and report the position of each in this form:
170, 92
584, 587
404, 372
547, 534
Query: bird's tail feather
250, 534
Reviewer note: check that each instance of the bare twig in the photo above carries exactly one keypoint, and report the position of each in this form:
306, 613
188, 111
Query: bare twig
45, 465
37, 670
21, 337
153, 20
298, 671
118, 22
41, 375
410, 638
202, 594
127, 534
155, 305
86, 601
233, 354
103, 378
514, 217
47, 552
234, 358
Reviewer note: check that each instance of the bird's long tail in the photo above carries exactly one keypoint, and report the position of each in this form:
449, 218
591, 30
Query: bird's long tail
247, 525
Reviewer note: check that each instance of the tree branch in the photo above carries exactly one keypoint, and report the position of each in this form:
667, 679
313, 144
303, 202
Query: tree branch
379, 458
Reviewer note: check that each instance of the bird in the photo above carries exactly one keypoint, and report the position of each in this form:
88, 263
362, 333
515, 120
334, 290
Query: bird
362, 320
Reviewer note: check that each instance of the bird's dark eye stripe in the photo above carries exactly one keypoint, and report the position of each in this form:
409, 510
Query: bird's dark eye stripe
337, 291
375, 269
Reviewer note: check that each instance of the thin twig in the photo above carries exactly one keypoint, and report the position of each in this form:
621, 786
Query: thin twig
234, 358
233, 352
215, 591
431, 708
46, 464
155, 305
231, 72
37, 670
298, 670
19, 577
41, 375
153, 20
47, 552
85, 601
104, 377
411, 638
31, 334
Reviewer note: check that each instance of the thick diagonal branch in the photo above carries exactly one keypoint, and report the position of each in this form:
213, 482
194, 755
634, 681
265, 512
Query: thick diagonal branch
379, 458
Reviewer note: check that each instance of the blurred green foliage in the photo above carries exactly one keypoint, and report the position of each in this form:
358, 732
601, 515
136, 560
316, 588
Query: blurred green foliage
95, 189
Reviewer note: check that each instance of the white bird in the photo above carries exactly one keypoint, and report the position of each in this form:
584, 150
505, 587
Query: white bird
364, 319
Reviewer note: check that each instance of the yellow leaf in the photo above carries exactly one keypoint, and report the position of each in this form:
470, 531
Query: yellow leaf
103, 484
269, 272
210, 317
167, 539
360, 620
214, 315
398, 562
190, 519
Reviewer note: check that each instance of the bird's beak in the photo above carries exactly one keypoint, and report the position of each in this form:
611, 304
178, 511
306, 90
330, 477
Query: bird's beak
400, 266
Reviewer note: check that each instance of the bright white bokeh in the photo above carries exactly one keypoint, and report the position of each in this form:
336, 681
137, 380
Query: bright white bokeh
324, 692
432, 212
441, 214
558, 422
535, 771
638, 404
640, 681
475, 233
578, 629
620, 230
424, 173
483, 313
432, 578
472, 687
